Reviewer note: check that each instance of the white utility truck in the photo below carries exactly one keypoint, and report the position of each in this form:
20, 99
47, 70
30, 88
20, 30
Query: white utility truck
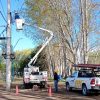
87, 78
32, 75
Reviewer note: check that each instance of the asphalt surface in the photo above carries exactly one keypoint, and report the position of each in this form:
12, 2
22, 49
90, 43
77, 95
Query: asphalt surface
42, 94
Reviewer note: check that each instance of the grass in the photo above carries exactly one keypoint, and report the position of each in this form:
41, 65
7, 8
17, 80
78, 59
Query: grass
1, 81
19, 80
15, 81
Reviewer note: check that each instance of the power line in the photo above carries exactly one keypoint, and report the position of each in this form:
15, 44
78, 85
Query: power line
2, 26
2, 8
21, 6
3, 31
17, 2
3, 16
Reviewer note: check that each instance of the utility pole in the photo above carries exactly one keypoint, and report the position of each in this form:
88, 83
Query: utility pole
8, 49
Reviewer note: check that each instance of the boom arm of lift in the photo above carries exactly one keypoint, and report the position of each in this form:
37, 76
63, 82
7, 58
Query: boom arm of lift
33, 60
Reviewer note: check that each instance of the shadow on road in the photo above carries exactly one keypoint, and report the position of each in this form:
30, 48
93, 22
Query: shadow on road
42, 94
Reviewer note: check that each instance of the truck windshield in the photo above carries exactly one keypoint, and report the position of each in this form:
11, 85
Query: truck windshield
97, 73
35, 73
89, 73
74, 74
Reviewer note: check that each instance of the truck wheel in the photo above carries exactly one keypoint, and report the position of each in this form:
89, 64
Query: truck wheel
67, 87
84, 90
25, 86
42, 85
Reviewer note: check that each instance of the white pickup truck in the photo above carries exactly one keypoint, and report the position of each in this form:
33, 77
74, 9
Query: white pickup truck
35, 77
85, 80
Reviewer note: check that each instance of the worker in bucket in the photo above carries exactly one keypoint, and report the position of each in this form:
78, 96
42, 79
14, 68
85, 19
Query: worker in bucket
56, 79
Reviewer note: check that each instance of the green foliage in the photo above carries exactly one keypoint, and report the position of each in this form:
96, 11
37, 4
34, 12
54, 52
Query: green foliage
23, 58
94, 57
2, 65
42, 61
37, 10
2, 69
20, 59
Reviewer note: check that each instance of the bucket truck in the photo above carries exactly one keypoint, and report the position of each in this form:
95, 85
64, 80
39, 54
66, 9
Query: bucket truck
32, 75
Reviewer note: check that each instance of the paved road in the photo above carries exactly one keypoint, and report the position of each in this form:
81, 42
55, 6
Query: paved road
42, 94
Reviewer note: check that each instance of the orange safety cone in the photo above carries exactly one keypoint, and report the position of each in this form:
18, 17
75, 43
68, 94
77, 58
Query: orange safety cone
17, 91
49, 91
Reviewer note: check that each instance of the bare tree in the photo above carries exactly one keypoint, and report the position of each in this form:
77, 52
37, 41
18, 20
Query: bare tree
71, 22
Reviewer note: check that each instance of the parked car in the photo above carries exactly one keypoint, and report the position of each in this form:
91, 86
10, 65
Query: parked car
85, 79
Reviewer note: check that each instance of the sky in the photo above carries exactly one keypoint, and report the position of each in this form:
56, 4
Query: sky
19, 40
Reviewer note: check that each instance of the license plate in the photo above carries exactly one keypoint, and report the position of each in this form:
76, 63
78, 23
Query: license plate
34, 81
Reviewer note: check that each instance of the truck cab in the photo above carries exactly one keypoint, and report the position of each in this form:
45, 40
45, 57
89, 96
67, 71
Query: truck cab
84, 79
71, 79
34, 77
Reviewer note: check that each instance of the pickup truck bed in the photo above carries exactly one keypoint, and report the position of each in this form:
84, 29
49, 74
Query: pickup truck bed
84, 80
35, 78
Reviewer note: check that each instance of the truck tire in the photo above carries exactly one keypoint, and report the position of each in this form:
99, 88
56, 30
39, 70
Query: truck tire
68, 88
42, 84
84, 90
28, 85
25, 85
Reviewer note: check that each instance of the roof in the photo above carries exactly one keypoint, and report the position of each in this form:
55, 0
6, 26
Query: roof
87, 65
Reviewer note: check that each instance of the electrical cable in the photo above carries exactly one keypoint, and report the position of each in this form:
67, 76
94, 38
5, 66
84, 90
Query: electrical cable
3, 16
3, 31
21, 6
17, 2
2, 26
3, 9
18, 8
